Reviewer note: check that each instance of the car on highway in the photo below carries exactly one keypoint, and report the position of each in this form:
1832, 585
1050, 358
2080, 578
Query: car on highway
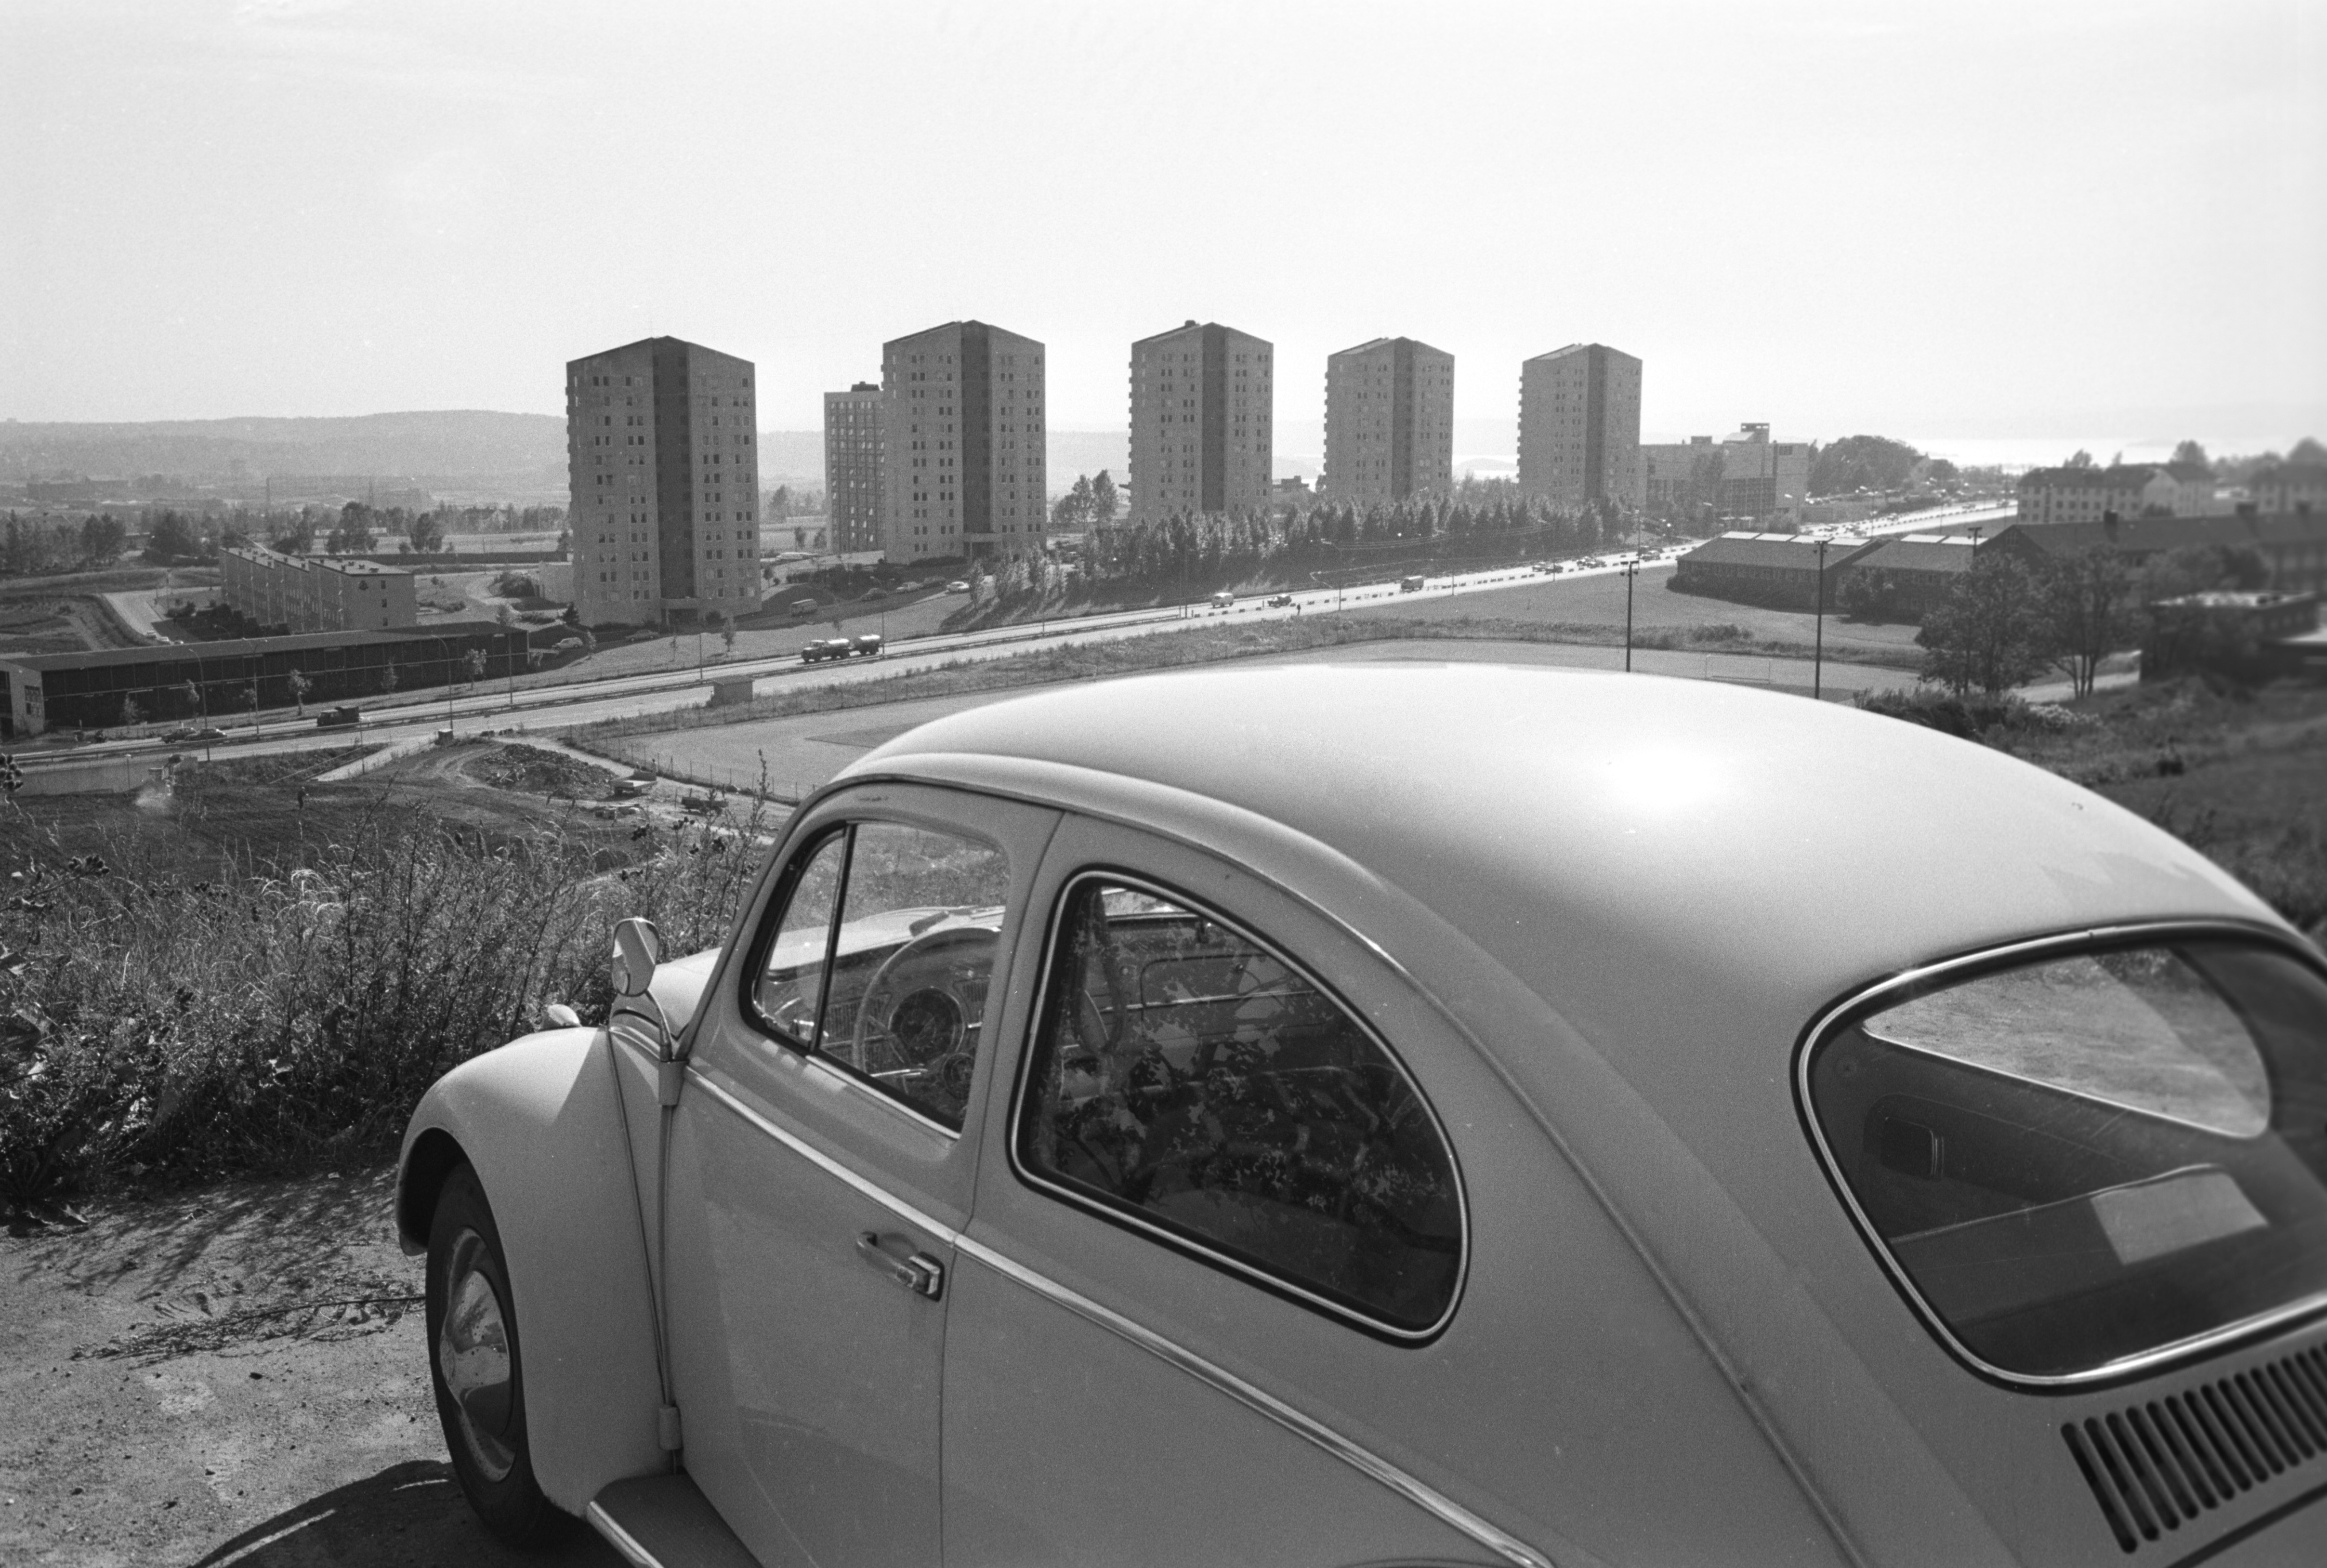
1279, 601
178, 736
825, 647
1409, 584
207, 732
1719, 1128
334, 718
565, 645
956, 588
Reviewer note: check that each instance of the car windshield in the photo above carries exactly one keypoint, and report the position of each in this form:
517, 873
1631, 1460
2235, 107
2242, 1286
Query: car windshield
2088, 1159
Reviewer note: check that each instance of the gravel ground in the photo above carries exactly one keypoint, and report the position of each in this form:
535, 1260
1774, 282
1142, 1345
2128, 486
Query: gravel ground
236, 1376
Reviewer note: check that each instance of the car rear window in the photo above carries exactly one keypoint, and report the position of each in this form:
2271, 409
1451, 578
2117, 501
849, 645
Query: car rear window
2094, 1158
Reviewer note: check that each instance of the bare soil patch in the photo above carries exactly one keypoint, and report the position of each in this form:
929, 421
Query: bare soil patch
234, 1375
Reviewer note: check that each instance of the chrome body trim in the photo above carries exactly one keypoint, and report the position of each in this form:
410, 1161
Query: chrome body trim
1507, 1547
1131, 1217
1358, 1457
620, 1540
2061, 944
824, 1161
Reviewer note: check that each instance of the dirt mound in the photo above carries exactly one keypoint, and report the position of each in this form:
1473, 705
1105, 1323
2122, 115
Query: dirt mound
531, 770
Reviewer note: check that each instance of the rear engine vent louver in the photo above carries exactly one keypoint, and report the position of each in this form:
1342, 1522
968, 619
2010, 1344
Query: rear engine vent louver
2154, 1467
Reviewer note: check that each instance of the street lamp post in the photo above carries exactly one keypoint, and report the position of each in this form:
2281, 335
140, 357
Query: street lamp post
1818, 658
1631, 570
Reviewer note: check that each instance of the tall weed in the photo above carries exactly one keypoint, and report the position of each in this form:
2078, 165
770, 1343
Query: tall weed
270, 1019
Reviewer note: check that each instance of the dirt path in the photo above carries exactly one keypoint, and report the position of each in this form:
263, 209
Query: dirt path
237, 1375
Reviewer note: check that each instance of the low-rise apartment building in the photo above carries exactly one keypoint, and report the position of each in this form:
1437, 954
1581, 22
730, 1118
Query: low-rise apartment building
1744, 475
2085, 494
304, 593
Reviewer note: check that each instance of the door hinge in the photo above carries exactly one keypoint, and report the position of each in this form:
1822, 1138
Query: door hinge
667, 1428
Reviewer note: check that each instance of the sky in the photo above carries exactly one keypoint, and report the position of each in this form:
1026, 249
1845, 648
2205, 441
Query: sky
1997, 222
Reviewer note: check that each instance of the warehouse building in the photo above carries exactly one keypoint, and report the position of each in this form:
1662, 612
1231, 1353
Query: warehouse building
212, 681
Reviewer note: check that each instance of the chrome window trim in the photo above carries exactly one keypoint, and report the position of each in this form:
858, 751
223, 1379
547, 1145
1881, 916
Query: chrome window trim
1130, 1219
2006, 954
1348, 1450
763, 940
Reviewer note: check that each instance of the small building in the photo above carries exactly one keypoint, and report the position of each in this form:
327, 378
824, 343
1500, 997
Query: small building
2248, 635
2085, 494
2292, 546
1782, 571
302, 593
214, 680
2289, 489
1904, 578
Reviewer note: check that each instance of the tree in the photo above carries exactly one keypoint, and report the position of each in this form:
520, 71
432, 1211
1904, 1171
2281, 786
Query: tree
300, 686
194, 696
1103, 501
2080, 458
101, 539
354, 535
2089, 609
1855, 463
1989, 631
476, 663
2191, 452
426, 533
2307, 450
170, 538
727, 632
387, 677
779, 505
131, 714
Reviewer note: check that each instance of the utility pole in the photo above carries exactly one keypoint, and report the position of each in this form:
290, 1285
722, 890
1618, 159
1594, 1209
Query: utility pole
1631, 570
1818, 658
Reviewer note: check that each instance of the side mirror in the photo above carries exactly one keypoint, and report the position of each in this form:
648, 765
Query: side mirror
638, 948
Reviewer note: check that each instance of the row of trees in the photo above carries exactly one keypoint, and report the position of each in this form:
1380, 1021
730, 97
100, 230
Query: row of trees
31, 547
1092, 503
354, 528
2008, 619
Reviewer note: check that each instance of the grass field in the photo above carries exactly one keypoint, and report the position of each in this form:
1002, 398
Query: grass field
1596, 604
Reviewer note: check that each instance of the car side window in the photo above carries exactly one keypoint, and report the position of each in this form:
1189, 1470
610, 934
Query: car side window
1188, 1078
879, 959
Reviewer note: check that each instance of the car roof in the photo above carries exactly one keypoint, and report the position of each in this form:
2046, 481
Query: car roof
1590, 829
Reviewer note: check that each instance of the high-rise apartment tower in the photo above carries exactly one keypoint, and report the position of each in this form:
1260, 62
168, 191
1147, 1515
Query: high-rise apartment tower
1389, 421
1580, 427
854, 466
1202, 398
664, 478
964, 443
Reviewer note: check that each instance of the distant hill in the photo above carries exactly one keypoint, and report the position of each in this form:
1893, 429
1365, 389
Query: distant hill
455, 442
454, 448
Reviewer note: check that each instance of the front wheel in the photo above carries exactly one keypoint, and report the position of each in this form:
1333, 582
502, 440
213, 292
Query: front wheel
474, 1364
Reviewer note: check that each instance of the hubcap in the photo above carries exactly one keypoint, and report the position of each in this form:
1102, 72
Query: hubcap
472, 1358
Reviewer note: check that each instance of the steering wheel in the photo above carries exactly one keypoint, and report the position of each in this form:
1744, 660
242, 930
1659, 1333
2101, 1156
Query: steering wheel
921, 1007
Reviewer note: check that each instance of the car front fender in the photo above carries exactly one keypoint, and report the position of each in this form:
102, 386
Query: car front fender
540, 1120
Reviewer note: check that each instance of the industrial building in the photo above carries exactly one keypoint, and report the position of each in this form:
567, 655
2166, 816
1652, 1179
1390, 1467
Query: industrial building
663, 473
211, 681
1782, 571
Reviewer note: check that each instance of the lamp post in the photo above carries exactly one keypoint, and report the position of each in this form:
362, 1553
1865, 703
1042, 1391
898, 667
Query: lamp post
1631, 570
1818, 658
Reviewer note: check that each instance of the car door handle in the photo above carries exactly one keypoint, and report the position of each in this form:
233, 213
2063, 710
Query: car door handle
918, 1271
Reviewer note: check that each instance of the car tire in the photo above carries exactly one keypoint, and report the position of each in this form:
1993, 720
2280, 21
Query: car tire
475, 1367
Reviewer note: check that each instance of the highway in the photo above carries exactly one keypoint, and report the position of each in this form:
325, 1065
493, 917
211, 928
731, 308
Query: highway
576, 702
572, 703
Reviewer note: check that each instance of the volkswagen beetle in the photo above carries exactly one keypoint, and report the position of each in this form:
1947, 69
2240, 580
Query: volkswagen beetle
1321, 1115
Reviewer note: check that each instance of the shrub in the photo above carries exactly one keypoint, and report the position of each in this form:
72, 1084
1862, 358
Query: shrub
275, 1018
